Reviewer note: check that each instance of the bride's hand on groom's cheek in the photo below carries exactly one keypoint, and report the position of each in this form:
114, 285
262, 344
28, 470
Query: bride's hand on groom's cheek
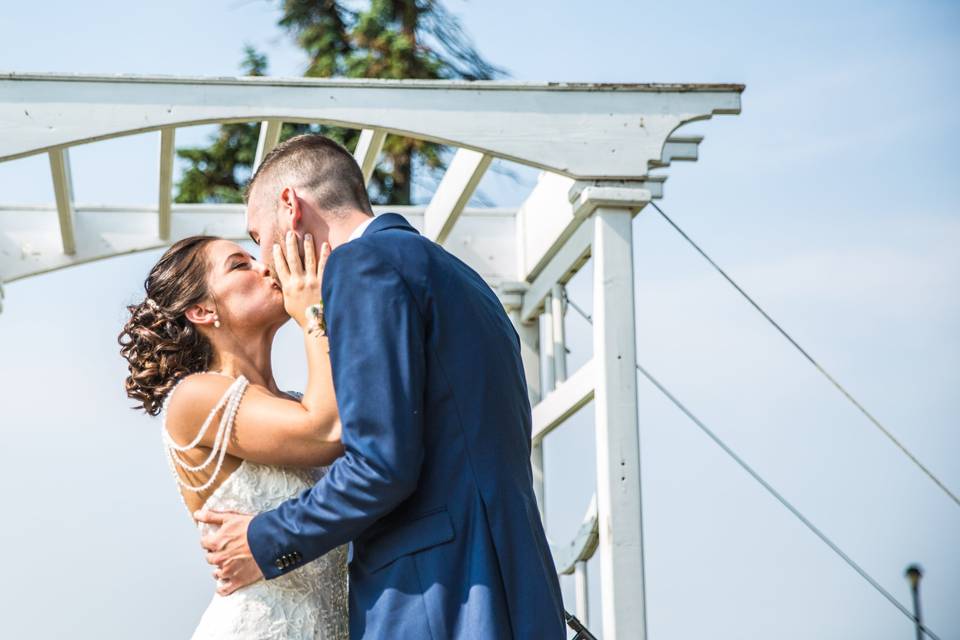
301, 280
228, 551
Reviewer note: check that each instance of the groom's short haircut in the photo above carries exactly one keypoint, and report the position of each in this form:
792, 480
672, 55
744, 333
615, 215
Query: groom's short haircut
319, 166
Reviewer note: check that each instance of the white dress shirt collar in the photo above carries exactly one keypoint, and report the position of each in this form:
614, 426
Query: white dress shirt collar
360, 229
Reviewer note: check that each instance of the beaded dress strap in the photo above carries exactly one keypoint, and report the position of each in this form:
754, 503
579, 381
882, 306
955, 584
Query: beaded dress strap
229, 403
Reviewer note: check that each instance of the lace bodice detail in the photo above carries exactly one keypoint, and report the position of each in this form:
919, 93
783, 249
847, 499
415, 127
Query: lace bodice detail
308, 603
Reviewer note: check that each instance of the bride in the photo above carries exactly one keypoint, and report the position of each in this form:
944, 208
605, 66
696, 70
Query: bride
199, 349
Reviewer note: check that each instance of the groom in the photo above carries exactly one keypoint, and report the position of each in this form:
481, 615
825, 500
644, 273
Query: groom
435, 487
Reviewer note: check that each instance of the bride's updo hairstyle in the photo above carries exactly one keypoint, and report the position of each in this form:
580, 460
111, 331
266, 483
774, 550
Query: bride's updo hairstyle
160, 345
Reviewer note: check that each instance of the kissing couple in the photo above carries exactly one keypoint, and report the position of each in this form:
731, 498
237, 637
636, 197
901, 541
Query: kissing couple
393, 497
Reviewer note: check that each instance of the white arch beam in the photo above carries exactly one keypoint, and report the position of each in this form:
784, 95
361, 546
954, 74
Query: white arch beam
457, 186
578, 130
368, 151
268, 138
63, 193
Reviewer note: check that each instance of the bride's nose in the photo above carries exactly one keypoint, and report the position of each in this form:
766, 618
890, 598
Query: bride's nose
263, 269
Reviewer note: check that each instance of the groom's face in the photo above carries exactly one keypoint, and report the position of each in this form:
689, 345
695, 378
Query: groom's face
264, 224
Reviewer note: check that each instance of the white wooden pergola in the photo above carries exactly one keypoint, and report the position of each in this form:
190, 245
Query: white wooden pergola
595, 144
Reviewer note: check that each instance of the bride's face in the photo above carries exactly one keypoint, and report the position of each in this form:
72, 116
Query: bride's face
242, 289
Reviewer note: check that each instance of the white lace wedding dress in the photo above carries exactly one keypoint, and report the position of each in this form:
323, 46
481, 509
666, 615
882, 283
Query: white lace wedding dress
310, 602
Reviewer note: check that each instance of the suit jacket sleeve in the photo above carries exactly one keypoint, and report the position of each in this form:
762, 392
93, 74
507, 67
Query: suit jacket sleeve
377, 352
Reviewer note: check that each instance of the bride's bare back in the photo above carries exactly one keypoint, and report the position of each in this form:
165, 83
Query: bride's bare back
211, 478
213, 422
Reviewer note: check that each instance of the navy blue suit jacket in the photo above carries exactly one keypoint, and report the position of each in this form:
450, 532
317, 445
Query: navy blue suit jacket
435, 486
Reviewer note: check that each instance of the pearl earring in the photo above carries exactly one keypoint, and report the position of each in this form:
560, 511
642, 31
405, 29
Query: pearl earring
216, 323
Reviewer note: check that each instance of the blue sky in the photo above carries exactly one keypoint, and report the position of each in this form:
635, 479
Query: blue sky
832, 198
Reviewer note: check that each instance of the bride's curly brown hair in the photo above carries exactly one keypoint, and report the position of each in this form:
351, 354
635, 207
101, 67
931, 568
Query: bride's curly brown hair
160, 345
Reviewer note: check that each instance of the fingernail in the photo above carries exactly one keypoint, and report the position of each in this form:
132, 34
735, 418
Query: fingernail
308, 236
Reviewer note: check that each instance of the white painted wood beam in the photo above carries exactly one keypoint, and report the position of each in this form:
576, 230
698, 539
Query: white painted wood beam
588, 196
30, 244
545, 220
554, 212
455, 189
582, 592
563, 401
571, 256
165, 199
654, 184
548, 382
617, 435
559, 334
511, 296
578, 130
678, 148
547, 367
368, 151
268, 139
63, 193
539, 480
581, 548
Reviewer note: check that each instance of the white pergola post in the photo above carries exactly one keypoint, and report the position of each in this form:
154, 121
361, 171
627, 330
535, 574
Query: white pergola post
581, 590
559, 334
615, 401
548, 382
511, 295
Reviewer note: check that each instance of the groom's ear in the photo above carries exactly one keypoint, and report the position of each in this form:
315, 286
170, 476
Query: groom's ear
291, 207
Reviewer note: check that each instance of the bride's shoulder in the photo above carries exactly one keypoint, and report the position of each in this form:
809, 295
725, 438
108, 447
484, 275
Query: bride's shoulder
192, 399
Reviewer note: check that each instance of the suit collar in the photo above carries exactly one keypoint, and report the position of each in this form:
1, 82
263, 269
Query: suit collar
386, 221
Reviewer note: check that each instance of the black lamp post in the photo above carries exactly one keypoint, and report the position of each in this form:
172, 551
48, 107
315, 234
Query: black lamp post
913, 574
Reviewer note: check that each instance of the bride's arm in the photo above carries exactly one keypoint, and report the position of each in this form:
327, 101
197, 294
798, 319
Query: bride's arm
269, 429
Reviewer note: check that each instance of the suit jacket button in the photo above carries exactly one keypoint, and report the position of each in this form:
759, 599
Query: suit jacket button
278, 564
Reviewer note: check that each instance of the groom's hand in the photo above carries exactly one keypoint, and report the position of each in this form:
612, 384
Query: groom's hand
228, 551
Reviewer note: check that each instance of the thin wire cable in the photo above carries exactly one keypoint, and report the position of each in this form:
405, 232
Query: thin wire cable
766, 485
567, 300
806, 355
756, 476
